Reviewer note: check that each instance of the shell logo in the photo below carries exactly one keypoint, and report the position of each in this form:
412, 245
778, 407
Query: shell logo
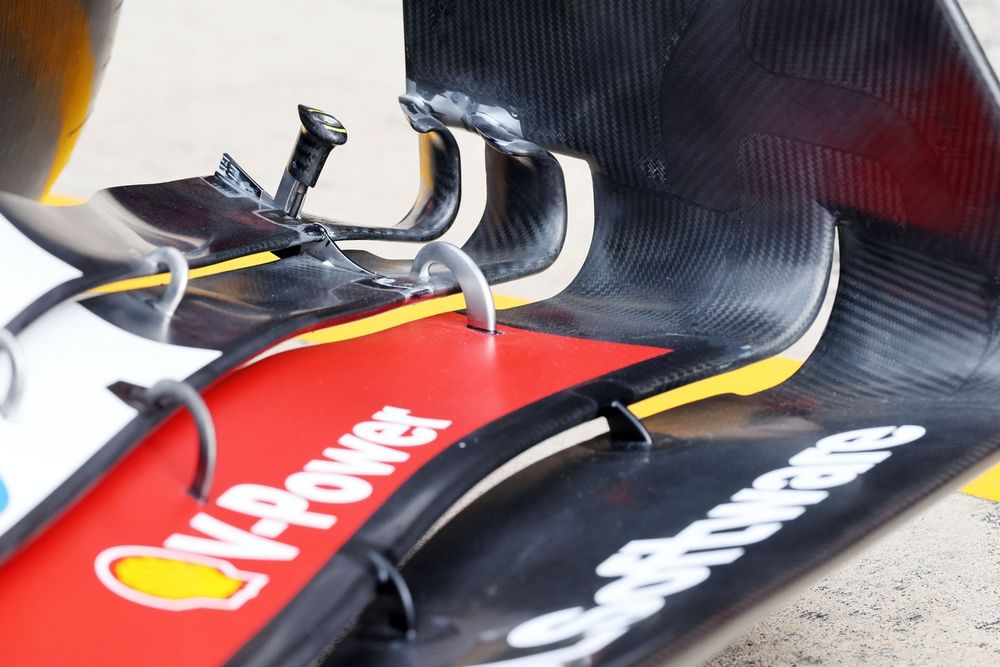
174, 580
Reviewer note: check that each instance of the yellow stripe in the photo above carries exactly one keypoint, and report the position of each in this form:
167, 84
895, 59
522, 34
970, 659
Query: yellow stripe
398, 316
51, 199
986, 485
764, 375
163, 278
744, 381
752, 379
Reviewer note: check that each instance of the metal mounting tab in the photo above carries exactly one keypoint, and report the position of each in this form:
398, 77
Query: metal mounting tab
173, 260
166, 395
10, 346
626, 430
393, 613
478, 297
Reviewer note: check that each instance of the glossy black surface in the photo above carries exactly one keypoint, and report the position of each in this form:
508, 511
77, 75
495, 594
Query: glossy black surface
108, 238
440, 191
242, 313
215, 219
726, 139
523, 226
112, 232
245, 313
532, 545
321, 132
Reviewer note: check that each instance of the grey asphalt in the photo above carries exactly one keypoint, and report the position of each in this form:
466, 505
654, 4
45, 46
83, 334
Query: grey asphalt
190, 79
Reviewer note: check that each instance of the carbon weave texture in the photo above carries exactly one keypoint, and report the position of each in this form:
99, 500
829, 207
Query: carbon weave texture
714, 125
775, 119
583, 77
894, 352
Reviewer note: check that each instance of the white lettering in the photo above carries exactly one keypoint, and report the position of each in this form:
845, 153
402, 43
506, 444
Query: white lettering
384, 433
328, 487
374, 460
401, 416
866, 439
267, 502
647, 571
228, 542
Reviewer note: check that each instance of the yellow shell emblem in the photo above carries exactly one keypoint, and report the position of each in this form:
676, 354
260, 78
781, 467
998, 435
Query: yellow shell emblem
175, 580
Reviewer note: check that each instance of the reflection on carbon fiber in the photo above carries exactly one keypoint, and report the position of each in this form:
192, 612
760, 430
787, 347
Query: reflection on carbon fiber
727, 138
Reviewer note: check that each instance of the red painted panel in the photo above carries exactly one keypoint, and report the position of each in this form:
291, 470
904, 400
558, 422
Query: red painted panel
74, 595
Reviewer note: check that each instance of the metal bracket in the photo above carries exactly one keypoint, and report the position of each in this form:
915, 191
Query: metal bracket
626, 430
456, 108
10, 345
166, 395
392, 614
174, 262
231, 173
478, 297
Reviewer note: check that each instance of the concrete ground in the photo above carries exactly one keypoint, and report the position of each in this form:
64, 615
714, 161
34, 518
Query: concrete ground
189, 80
